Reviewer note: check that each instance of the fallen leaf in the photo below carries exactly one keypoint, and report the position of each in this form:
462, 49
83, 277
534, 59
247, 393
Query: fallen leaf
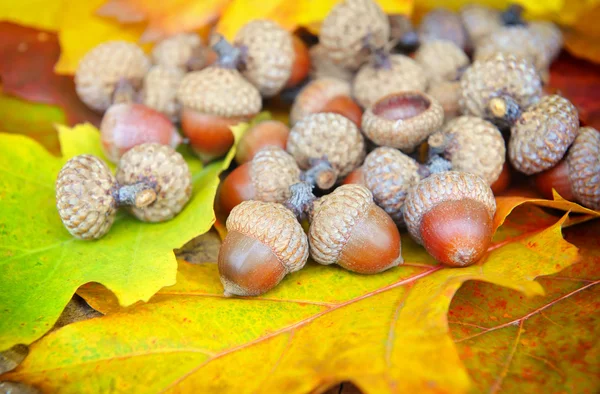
539, 345
43, 265
315, 329
39, 14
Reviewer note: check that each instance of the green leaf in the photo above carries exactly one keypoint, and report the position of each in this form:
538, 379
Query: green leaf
42, 265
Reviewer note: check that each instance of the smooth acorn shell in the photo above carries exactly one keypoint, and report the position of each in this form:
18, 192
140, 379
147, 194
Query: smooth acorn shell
259, 136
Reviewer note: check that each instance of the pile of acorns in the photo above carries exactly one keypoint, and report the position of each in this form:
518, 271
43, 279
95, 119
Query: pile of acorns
435, 103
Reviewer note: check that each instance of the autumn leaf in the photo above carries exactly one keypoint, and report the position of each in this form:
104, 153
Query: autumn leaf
543, 344
317, 328
39, 14
43, 265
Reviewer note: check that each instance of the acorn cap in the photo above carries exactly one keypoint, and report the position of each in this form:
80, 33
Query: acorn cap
103, 67
402, 120
275, 227
373, 82
512, 40
348, 24
163, 168
330, 136
441, 187
269, 55
322, 66
472, 145
272, 172
480, 21
389, 174
447, 93
84, 197
442, 60
500, 75
542, 135
178, 50
443, 24
160, 90
583, 161
333, 218
219, 91
551, 38
314, 96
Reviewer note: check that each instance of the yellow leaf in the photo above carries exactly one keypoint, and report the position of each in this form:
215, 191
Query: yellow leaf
81, 30
40, 14
239, 12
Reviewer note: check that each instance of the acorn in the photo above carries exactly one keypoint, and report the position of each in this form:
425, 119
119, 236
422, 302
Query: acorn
577, 177
403, 34
386, 75
348, 26
502, 183
110, 73
480, 21
184, 51
213, 100
322, 66
402, 120
443, 24
447, 93
442, 60
259, 136
159, 91
551, 38
451, 214
357, 176
389, 174
513, 40
347, 228
165, 170
502, 75
270, 57
472, 145
264, 243
541, 135
127, 125
326, 95
330, 137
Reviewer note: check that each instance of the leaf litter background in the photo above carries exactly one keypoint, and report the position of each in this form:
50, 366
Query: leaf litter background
403, 330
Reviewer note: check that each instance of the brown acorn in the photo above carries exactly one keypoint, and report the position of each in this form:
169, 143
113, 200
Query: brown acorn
443, 24
513, 40
451, 214
480, 21
541, 135
326, 95
259, 136
502, 75
447, 93
472, 145
166, 171
322, 66
348, 26
264, 243
160, 90
402, 120
389, 74
442, 60
110, 73
347, 228
327, 136
183, 51
550, 37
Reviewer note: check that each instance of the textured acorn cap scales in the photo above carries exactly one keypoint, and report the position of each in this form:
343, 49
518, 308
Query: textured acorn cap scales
322, 66
513, 40
313, 97
402, 120
180, 50
163, 168
160, 90
269, 55
442, 60
447, 93
373, 81
330, 136
84, 197
472, 145
442, 24
219, 91
500, 75
480, 21
348, 24
272, 172
389, 174
104, 67
441, 187
542, 134
583, 161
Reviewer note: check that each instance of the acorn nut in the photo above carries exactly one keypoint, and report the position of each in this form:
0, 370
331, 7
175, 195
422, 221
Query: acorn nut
443, 24
442, 60
259, 136
160, 90
183, 51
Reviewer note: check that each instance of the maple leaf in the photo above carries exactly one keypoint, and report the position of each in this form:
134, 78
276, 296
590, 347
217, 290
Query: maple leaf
316, 329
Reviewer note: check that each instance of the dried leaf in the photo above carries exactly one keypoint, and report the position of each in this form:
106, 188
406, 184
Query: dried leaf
39, 14
315, 329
